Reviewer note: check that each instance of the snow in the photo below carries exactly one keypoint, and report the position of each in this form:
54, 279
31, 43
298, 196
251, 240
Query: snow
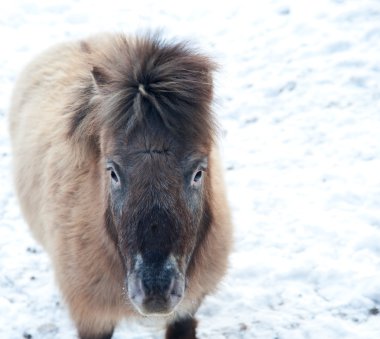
298, 97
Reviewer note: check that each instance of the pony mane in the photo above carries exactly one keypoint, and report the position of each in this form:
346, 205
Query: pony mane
147, 75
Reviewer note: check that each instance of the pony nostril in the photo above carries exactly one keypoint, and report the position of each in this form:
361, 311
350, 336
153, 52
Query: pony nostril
154, 228
136, 291
175, 293
175, 290
171, 289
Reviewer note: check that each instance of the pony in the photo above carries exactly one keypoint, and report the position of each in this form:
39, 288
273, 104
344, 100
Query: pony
117, 173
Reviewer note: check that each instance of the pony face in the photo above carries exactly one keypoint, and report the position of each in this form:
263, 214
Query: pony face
155, 134
157, 205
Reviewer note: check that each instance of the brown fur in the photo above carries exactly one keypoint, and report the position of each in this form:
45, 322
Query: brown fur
61, 129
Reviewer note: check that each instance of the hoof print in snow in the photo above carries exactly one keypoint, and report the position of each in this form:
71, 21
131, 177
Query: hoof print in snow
251, 120
374, 311
27, 335
338, 47
242, 327
31, 250
284, 11
288, 87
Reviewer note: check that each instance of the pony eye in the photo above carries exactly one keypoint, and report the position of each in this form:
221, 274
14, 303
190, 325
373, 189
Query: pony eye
113, 174
197, 177
114, 177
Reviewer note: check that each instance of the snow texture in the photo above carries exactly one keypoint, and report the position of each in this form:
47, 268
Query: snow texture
298, 97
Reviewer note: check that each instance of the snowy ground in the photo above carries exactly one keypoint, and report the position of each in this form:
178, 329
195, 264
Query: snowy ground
299, 100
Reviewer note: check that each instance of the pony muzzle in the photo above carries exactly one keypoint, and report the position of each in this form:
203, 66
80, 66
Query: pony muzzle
156, 291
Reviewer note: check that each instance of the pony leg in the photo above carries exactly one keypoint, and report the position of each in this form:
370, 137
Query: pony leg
90, 327
182, 329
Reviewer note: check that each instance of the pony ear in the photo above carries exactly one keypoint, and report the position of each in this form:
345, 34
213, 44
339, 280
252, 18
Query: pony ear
101, 78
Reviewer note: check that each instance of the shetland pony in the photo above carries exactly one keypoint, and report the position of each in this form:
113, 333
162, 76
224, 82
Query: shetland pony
117, 173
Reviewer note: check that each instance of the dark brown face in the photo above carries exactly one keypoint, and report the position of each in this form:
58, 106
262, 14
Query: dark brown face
156, 197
